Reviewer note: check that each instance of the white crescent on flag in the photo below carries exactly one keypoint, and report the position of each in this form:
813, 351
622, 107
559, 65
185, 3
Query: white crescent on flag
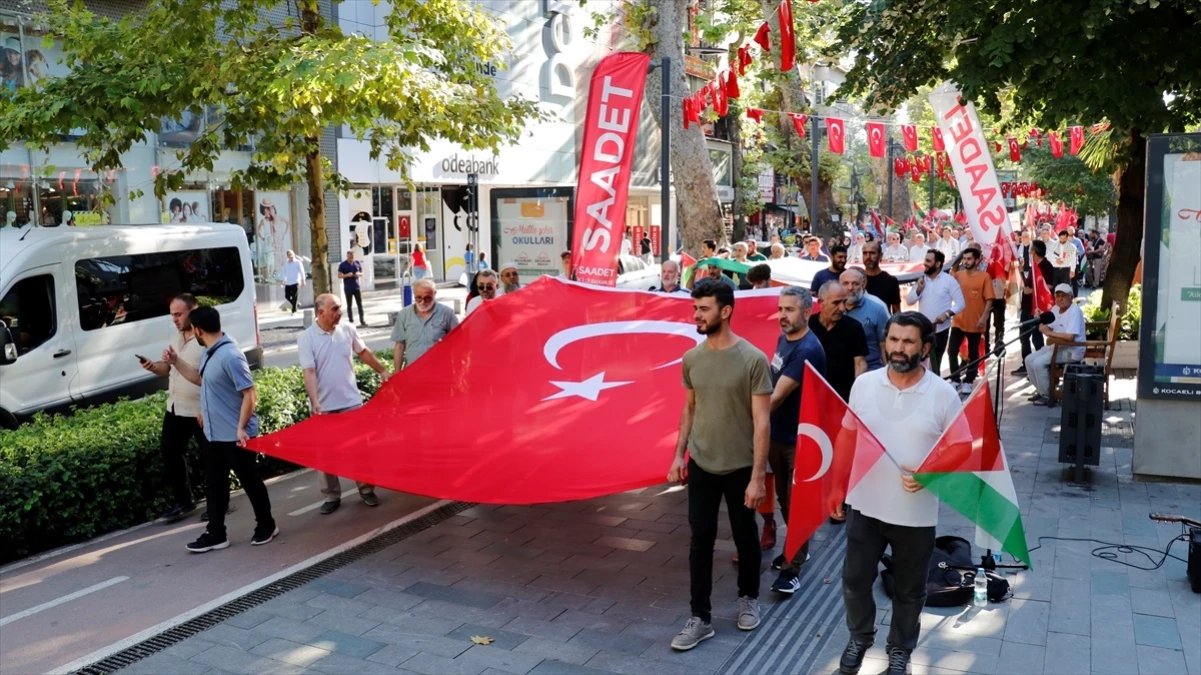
823, 443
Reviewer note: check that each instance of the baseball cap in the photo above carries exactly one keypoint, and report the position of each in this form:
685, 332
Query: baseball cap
1064, 288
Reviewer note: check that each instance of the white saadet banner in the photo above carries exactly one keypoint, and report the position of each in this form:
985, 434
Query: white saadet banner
971, 159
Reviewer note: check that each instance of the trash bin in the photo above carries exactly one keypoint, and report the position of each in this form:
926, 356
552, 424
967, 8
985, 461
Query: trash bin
1080, 416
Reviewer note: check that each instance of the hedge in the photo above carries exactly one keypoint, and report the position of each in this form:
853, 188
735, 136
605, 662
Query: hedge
68, 478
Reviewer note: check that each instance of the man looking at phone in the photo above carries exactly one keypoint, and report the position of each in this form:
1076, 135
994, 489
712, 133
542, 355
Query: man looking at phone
180, 423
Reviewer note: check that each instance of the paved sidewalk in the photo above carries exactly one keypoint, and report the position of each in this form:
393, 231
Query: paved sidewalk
602, 586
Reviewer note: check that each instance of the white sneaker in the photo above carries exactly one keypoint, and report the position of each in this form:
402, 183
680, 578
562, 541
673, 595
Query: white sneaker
695, 632
748, 613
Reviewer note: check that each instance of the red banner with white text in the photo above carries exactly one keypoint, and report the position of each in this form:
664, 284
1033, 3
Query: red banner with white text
606, 162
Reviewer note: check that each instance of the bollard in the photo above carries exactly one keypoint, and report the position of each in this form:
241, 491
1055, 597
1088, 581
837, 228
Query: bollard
407, 294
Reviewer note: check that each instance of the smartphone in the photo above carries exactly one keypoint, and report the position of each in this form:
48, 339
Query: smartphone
141, 358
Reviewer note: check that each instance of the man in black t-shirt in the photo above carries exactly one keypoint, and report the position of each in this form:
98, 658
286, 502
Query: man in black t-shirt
1032, 341
842, 339
880, 283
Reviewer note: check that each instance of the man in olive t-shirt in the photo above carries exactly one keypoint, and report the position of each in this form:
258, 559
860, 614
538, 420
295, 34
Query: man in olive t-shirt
725, 426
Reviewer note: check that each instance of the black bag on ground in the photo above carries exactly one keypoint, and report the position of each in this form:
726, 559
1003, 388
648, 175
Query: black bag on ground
952, 577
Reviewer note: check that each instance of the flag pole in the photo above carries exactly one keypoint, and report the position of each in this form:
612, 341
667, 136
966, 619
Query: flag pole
665, 160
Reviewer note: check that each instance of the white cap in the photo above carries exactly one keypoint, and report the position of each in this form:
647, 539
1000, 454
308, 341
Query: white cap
508, 265
1064, 288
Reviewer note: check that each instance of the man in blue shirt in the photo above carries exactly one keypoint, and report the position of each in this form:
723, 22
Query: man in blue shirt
869, 311
838, 263
796, 345
350, 271
227, 397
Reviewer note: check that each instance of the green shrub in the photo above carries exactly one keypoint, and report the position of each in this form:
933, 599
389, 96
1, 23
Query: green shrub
1132, 315
68, 478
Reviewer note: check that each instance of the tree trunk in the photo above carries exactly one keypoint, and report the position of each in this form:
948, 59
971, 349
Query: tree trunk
1128, 247
739, 207
310, 22
696, 192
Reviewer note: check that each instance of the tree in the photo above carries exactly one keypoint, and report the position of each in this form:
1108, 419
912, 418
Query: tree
277, 88
1069, 180
1057, 63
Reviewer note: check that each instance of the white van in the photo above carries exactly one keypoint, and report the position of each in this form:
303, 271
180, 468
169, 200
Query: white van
79, 303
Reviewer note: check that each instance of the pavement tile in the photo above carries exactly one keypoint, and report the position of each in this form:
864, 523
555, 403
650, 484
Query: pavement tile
1152, 602
636, 665
1020, 659
188, 648
391, 655
556, 650
231, 636
1070, 606
160, 663
329, 601
290, 652
488, 585
471, 598
552, 667
430, 663
386, 599
552, 582
341, 664
1028, 622
1110, 582
288, 629
1156, 631
354, 625
248, 619
400, 643
286, 608
1066, 653
609, 642
350, 645
954, 660
526, 608
499, 659
447, 611
502, 639
233, 660
541, 628
1114, 652
950, 641
601, 622
1159, 661
343, 589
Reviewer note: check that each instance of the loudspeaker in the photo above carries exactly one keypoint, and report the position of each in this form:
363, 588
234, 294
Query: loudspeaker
1080, 414
1194, 558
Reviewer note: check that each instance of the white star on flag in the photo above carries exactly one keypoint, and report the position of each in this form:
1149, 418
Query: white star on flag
589, 388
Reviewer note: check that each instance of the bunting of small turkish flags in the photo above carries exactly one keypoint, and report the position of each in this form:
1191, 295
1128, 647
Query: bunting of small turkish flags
798, 123
720, 104
1076, 134
936, 139
942, 160
1015, 150
744, 58
763, 37
909, 137
755, 114
690, 113
1037, 135
1056, 144
875, 139
787, 38
731, 84
836, 135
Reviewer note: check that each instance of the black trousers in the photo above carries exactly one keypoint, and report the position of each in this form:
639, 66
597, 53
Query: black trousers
292, 292
997, 320
867, 538
224, 456
351, 296
782, 459
1031, 341
973, 348
936, 352
173, 446
705, 493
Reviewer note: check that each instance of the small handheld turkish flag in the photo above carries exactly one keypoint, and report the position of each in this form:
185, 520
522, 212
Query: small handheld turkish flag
1015, 150
1077, 139
936, 140
836, 135
909, 136
875, 139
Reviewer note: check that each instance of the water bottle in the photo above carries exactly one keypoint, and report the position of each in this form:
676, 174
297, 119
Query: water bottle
980, 597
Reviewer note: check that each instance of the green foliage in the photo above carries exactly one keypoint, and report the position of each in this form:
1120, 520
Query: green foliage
1069, 180
67, 478
1132, 313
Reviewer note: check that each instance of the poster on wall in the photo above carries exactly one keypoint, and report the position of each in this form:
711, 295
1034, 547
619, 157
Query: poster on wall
1170, 331
272, 233
531, 231
190, 206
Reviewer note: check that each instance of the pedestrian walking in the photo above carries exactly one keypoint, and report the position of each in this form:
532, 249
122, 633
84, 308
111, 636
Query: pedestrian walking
350, 271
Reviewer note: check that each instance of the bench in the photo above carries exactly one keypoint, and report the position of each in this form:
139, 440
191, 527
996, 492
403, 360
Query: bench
1100, 351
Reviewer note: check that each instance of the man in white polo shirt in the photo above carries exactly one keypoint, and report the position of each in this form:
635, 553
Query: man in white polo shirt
939, 297
907, 408
327, 350
1068, 326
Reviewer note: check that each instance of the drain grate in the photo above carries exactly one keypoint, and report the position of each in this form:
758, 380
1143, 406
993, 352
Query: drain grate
152, 645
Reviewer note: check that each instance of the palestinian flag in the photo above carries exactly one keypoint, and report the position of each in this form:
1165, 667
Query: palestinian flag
922, 217
688, 266
967, 471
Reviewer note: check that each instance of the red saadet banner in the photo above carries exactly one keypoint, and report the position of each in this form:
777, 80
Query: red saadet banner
560, 391
606, 158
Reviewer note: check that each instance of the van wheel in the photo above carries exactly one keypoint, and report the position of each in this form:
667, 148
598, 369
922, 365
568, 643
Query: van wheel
7, 420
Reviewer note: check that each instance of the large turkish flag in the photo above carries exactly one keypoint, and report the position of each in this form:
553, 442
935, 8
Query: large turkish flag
559, 391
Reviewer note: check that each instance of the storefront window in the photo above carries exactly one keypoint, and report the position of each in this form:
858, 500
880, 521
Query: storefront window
16, 196
531, 227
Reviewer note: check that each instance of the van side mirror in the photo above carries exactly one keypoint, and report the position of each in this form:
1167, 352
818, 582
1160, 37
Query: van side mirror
8, 348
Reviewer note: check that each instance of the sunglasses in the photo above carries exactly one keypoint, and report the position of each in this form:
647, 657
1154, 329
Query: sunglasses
488, 287
423, 298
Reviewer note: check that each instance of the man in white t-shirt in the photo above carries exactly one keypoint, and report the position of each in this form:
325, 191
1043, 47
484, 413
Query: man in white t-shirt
917, 252
1068, 326
487, 284
327, 350
894, 251
293, 277
907, 408
948, 244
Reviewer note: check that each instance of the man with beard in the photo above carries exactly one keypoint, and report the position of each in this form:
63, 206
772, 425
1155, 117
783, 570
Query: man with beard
1068, 326
842, 339
880, 283
725, 429
838, 263
510, 281
486, 284
907, 409
970, 324
669, 278
796, 345
869, 311
938, 296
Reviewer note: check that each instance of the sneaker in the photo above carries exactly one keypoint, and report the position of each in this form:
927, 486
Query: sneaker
768, 540
777, 563
1041, 400
695, 632
787, 583
262, 536
177, 513
207, 542
748, 613
852, 657
898, 662
369, 498
329, 507
1020, 371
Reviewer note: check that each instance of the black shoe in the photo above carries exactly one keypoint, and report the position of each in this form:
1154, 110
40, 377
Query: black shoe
777, 563
207, 542
1019, 371
264, 535
787, 583
852, 657
369, 498
898, 662
204, 517
329, 507
177, 513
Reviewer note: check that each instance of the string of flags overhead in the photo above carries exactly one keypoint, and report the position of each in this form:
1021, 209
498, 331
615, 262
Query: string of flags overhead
716, 95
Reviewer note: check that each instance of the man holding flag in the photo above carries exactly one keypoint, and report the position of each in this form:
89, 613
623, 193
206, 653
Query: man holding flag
907, 409
1036, 299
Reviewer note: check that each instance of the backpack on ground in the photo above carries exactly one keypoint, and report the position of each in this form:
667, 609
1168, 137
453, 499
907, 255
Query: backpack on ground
951, 579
